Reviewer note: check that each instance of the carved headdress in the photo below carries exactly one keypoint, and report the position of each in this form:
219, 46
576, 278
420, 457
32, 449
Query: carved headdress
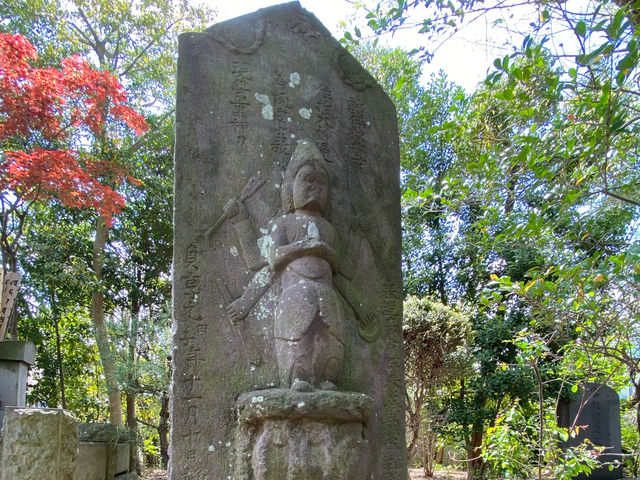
306, 153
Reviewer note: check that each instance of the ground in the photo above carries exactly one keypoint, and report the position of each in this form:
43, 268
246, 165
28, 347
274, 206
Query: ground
416, 474
155, 474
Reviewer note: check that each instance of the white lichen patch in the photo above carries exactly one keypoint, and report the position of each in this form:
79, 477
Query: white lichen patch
300, 405
289, 119
305, 113
212, 448
234, 251
258, 399
294, 79
264, 231
267, 108
262, 278
293, 135
312, 230
265, 245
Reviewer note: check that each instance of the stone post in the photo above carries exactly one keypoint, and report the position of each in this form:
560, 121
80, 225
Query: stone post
15, 360
38, 443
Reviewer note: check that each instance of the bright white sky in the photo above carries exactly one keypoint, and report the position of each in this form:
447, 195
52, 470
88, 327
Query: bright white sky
465, 58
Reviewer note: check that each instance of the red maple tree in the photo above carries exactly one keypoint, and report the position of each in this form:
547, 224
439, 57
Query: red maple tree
39, 108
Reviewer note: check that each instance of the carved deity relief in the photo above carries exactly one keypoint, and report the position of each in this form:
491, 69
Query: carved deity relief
301, 251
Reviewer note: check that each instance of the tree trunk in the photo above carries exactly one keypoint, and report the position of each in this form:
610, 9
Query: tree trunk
99, 328
163, 429
132, 424
429, 452
56, 322
475, 463
132, 382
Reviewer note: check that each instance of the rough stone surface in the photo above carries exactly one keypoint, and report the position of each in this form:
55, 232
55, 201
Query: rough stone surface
101, 432
287, 240
127, 476
288, 404
598, 410
39, 443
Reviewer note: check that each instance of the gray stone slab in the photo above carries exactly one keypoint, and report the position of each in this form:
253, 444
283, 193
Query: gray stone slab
260, 278
92, 461
598, 414
103, 439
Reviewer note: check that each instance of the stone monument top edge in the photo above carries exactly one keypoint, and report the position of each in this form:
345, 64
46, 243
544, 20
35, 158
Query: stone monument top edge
270, 11
245, 35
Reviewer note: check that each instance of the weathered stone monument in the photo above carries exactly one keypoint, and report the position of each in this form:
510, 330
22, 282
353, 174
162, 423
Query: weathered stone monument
287, 344
598, 415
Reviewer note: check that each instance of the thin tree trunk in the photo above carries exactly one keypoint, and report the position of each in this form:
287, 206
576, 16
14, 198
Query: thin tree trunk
100, 330
56, 323
134, 459
163, 429
132, 424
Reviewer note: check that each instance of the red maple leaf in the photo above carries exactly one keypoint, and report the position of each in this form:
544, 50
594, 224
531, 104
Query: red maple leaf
45, 104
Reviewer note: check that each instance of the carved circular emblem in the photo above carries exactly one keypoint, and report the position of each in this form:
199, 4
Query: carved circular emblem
351, 71
239, 40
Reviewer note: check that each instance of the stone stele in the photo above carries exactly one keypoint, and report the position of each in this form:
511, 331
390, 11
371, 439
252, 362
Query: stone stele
597, 409
287, 302
38, 443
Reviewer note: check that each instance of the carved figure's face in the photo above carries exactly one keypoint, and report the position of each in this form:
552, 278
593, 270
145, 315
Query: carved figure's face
310, 189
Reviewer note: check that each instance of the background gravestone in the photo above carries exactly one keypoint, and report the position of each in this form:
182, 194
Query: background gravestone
600, 415
249, 90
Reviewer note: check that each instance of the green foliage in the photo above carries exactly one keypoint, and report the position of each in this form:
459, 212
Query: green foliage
630, 440
137, 42
511, 444
523, 204
435, 338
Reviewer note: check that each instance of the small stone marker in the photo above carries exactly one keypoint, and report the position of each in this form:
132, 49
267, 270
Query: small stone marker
287, 302
10, 283
38, 443
600, 417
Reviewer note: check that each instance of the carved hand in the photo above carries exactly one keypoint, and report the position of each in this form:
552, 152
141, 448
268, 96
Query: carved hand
237, 310
368, 325
235, 210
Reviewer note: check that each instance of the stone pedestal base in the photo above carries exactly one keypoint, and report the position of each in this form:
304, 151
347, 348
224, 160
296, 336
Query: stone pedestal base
38, 443
286, 435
